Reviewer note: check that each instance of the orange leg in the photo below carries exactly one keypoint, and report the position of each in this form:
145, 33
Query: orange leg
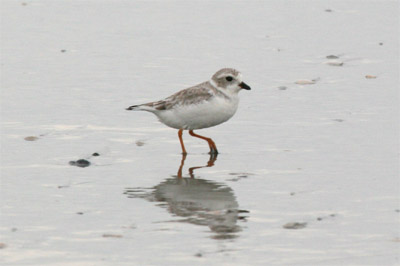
179, 175
210, 163
213, 147
181, 140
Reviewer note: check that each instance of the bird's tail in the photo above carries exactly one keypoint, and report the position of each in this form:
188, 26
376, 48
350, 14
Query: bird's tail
149, 107
133, 107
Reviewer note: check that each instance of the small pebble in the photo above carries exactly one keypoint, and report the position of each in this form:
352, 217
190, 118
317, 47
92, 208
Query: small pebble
95, 154
370, 77
319, 219
31, 138
328, 10
295, 225
282, 88
63, 51
2, 245
80, 163
79, 213
332, 57
139, 143
198, 255
381, 43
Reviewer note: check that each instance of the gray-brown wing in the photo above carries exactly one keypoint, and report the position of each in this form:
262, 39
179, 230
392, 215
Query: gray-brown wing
192, 95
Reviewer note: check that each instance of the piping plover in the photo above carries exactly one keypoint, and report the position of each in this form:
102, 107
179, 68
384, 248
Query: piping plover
205, 105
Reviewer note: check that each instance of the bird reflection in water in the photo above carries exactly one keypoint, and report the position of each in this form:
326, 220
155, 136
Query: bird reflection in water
198, 201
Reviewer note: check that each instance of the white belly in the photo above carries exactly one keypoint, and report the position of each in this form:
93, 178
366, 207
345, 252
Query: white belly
202, 115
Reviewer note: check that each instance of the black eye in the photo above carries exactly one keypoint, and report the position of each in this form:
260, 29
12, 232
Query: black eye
229, 78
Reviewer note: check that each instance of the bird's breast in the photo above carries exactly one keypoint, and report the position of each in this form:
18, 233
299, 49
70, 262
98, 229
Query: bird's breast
201, 115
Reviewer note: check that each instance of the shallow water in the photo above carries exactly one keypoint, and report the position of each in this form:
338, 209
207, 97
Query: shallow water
308, 169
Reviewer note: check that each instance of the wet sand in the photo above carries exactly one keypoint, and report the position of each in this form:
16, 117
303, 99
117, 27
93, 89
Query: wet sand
308, 170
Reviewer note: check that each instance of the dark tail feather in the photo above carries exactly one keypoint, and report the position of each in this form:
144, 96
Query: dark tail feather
133, 107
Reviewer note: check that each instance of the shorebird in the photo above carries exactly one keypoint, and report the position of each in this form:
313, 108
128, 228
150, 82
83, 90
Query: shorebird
205, 105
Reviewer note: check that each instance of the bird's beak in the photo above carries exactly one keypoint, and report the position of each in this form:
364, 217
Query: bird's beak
244, 86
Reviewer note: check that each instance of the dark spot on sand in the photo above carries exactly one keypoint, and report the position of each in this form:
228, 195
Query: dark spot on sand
95, 154
139, 143
295, 225
239, 176
31, 138
80, 163
332, 56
